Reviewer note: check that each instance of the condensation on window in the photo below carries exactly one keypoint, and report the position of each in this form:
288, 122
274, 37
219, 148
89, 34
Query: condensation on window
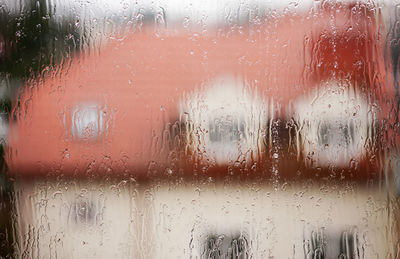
199, 129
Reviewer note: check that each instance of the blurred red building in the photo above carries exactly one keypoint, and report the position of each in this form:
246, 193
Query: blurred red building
296, 97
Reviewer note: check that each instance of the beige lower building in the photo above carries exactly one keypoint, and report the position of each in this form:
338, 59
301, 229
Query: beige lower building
123, 219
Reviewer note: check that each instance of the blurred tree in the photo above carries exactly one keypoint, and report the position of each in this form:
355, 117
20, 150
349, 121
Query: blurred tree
30, 40
33, 39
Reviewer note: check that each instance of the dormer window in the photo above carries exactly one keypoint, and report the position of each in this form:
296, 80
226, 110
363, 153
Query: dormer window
334, 125
225, 119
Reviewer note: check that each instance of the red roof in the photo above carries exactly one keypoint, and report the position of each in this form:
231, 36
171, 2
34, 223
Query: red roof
137, 81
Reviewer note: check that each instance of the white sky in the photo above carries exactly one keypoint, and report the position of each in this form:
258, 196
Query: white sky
208, 11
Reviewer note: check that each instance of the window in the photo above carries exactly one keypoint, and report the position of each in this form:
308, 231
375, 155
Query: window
335, 125
226, 120
88, 122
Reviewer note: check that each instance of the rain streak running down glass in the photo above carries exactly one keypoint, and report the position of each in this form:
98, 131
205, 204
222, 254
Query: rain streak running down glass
200, 129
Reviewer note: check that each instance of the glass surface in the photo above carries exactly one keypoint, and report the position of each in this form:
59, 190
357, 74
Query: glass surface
199, 129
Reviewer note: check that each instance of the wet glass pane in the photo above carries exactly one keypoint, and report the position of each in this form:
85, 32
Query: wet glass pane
199, 129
